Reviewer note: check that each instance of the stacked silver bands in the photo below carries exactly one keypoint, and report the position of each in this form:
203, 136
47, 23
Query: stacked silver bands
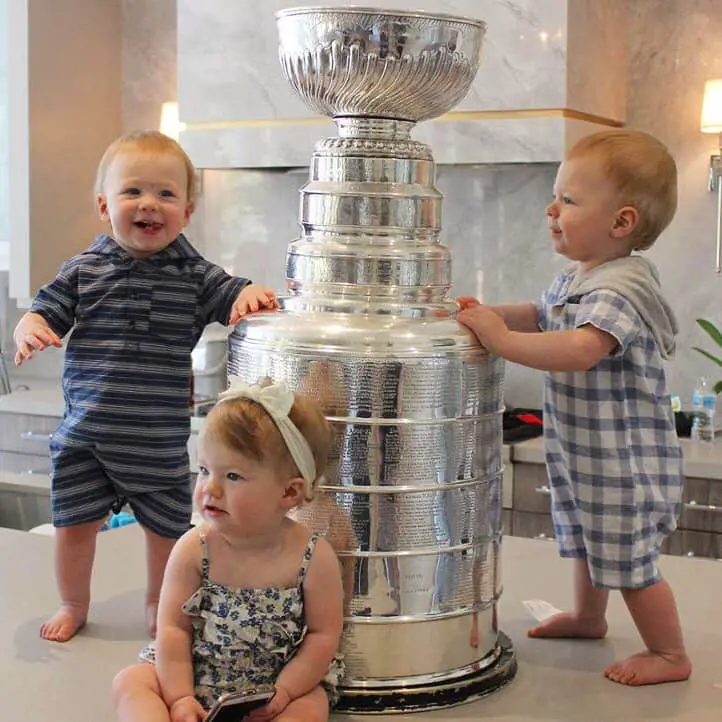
412, 500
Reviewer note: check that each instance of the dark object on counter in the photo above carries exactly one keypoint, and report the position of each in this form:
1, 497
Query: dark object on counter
683, 423
522, 424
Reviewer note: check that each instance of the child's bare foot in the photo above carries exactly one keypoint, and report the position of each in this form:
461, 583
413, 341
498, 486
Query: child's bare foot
650, 668
151, 618
65, 623
569, 625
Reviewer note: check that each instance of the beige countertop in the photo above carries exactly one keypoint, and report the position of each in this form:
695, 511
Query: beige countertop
558, 680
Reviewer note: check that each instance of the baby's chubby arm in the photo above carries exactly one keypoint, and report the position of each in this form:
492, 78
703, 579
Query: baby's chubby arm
323, 606
173, 642
517, 316
252, 298
33, 333
578, 349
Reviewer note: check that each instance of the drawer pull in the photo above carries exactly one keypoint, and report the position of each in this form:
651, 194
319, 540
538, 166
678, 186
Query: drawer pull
544, 537
35, 436
543, 489
694, 506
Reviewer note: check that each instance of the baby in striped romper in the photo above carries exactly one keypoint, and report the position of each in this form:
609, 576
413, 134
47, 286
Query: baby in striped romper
135, 304
601, 332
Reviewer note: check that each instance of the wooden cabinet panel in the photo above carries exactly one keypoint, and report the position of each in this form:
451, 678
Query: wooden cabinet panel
26, 434
24, 464
531, 489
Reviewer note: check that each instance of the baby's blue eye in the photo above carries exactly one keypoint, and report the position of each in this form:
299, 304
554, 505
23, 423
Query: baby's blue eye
232, 476
132, 191
567, 200
202, 471
167, 194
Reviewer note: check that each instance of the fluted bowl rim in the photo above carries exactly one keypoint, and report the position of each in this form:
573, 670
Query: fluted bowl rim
371, 10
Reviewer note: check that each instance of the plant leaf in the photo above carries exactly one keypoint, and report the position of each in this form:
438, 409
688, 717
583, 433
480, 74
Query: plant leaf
718, 387
711, 330
708, 355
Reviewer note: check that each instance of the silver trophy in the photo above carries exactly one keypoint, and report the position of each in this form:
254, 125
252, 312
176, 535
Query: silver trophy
412, 501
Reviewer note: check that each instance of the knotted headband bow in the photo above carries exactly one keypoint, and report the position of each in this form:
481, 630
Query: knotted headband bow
277, 400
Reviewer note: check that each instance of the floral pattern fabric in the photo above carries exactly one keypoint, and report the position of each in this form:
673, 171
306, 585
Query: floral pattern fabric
244, 637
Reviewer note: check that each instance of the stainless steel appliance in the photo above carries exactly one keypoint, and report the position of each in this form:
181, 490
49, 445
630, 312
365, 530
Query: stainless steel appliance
412, 502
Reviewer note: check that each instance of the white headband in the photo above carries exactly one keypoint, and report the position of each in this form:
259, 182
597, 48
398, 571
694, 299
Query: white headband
277, 400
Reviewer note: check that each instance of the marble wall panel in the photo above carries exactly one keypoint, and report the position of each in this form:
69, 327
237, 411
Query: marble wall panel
596, 68
228, 67
149, 61
673, 49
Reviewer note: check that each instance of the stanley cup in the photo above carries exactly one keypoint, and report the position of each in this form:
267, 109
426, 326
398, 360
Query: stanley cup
412, 498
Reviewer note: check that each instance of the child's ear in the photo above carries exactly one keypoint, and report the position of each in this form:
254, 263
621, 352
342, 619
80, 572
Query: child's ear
190, 207
293, 494
625, 222
102, 203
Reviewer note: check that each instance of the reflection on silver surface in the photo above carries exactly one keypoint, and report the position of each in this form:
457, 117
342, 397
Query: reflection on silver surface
374, 62
412, 498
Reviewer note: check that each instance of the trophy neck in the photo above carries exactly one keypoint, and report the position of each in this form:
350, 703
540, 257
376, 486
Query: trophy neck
373, 128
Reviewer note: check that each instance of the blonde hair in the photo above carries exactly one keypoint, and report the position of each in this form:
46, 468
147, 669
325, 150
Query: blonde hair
245, 427
147, 141
645, 175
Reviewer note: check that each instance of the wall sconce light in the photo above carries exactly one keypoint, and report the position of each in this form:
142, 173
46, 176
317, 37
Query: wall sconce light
170, 124
711, 122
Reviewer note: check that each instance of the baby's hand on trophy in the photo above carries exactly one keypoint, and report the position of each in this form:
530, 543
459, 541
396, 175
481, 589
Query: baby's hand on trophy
464, 302
485, 323
251, 299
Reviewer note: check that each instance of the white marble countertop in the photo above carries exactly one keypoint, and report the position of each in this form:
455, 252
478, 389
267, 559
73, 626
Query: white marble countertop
558, 680
701, 459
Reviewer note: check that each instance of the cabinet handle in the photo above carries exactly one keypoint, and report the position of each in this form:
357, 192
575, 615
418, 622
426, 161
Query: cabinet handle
29, 472
543, 489
35, 436
544, 537
695, 506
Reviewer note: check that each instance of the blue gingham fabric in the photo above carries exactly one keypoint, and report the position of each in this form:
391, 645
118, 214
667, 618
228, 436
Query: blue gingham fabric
612, 453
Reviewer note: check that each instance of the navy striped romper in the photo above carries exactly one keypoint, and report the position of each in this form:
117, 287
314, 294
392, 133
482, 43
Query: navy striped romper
126, 379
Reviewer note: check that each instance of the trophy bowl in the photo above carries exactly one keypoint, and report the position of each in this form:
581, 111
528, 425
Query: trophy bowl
362, 61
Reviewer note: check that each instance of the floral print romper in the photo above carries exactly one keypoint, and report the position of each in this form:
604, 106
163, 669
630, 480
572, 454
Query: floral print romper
245, 637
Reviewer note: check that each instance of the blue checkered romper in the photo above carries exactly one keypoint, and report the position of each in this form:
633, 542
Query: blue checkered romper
612, 453
126, 378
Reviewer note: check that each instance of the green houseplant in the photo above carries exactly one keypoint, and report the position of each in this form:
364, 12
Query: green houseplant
714, 333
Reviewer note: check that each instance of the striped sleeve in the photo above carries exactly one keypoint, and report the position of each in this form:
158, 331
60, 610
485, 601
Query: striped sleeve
218, 294
56, 302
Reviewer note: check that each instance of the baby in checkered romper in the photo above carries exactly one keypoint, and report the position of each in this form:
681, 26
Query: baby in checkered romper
601, 333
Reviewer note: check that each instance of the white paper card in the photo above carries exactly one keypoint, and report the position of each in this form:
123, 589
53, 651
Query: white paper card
540, 609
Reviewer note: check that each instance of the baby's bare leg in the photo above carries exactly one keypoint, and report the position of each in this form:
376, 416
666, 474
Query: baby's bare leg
654, 612
74, 554
312, 707
137, 695
157, 549
588, 618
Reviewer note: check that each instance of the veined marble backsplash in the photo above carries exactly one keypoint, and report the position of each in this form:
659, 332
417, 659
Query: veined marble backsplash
492, 221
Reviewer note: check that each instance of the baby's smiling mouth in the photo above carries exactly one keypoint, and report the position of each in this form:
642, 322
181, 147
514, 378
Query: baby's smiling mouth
148, 224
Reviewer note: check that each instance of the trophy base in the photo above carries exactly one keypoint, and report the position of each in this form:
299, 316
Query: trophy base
422, 698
